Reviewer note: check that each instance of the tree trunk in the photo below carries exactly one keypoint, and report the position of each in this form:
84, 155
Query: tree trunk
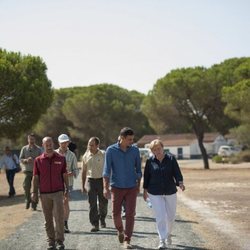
203, 150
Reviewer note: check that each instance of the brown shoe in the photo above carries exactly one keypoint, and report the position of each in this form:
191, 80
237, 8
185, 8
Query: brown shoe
127, 244
121, 237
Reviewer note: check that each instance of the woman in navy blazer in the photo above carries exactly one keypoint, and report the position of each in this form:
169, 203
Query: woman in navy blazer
161, 176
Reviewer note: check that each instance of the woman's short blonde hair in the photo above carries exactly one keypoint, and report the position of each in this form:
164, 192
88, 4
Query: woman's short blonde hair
154, 143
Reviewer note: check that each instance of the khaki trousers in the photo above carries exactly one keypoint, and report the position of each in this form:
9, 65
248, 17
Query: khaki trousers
52, 205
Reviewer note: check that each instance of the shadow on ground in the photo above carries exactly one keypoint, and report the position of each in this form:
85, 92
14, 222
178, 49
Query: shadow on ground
6, 201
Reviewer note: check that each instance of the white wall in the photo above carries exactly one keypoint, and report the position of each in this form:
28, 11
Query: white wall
174, 150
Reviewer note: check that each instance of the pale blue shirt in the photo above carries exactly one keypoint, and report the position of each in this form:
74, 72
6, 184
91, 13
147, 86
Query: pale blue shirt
123, 168
8, 162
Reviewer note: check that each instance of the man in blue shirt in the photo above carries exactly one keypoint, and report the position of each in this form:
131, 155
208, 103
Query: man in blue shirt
9, 161
122, 172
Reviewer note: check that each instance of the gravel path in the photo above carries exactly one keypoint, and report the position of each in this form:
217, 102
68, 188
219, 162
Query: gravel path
31, 235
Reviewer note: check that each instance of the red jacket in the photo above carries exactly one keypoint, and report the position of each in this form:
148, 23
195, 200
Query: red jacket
50, 172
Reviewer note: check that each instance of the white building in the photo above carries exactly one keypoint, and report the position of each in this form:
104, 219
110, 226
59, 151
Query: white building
185, 146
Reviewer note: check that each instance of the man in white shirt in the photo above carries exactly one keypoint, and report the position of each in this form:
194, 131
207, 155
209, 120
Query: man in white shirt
72, 170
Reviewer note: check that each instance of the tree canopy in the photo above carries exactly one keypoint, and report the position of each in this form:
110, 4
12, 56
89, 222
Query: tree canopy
25, 92
98, 110
238, 108
193, 96
54, 122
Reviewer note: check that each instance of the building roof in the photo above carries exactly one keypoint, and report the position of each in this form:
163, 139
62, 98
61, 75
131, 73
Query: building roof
176, 139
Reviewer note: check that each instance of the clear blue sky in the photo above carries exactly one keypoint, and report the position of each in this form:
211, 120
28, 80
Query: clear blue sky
130, 43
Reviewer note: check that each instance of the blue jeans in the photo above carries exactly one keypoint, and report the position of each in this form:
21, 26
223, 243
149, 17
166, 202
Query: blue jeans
10, 175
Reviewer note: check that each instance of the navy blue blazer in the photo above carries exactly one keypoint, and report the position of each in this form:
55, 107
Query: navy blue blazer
161, 178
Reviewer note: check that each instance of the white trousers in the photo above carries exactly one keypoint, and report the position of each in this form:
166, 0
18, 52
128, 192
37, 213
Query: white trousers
164, 207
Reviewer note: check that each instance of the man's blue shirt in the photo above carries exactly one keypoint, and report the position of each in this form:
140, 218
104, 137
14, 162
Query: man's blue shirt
123, 168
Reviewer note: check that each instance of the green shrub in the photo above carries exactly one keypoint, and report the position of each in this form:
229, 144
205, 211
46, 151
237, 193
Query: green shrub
217, 159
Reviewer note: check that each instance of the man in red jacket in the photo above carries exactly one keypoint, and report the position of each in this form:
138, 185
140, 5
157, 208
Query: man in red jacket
50, 177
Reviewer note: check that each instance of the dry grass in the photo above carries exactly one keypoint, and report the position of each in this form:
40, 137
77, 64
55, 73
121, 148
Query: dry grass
221, 198
12, 210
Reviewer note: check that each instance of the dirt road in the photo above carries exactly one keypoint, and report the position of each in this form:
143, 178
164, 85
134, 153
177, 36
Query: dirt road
213, 213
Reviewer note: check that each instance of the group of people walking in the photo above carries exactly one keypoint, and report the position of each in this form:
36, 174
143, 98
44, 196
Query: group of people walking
115, 174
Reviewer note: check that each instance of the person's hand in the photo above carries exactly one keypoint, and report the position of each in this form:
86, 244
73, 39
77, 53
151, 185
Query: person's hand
70, 173
84, 190
106, 193
29, 159
182, 187
66, 194
34, 197
76, 172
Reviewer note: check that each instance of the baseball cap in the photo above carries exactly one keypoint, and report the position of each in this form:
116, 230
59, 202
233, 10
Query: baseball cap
63, 138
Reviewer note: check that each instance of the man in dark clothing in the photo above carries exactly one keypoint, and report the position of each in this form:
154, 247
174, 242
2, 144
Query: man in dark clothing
27, 156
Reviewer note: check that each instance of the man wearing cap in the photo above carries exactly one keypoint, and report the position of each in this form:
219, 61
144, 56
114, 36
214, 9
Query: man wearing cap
92, 168
122, 172
27, 156
72, 170
51, 179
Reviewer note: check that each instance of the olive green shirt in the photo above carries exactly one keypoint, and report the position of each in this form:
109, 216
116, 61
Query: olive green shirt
27, 152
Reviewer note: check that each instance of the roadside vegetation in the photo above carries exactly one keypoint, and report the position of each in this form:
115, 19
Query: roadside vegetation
243, 156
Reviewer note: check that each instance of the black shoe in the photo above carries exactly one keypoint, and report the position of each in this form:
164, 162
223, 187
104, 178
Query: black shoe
66, 230
123, 215
95, 229
51, 247
34, 206
103, 225
60, 246
27, 205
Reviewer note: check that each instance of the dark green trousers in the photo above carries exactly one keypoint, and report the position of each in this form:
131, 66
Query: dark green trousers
27, 188
97, 210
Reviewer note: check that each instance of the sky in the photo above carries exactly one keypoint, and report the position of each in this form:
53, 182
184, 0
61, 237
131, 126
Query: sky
129, 43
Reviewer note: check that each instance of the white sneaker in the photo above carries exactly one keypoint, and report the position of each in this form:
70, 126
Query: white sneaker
162, 245
169, 240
